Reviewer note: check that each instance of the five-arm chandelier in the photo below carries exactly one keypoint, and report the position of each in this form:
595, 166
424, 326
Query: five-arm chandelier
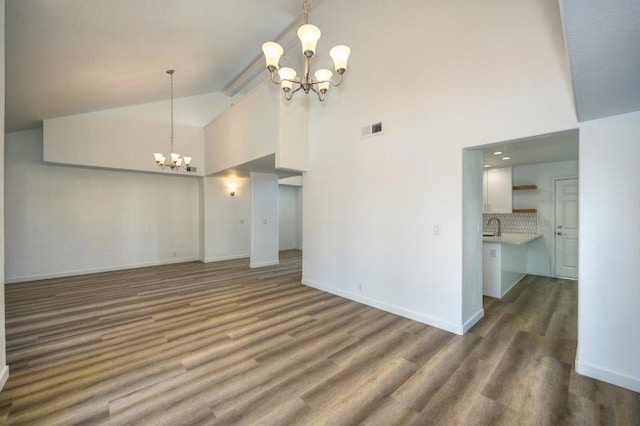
322, 79
175, 162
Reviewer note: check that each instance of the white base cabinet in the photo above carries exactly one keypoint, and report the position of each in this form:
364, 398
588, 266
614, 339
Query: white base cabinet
503, 265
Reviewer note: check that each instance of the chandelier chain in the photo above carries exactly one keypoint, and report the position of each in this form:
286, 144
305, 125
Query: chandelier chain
171, 74
306, 9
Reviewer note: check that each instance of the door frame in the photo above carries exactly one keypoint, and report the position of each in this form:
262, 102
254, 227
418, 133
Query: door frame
553, 230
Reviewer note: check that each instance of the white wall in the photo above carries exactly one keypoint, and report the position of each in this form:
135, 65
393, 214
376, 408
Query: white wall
289, 216
259, 124
264, 220
293, 146
227, 219
64, 220
245, 132
4, 369
541, 251
370, 204
608, 314
126, 138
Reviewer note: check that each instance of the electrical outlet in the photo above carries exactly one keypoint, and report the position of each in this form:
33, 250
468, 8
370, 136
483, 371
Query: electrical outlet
360, 286
436, 229
174, 254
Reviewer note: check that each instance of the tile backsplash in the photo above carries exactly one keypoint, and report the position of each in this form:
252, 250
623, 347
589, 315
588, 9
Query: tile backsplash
512, 223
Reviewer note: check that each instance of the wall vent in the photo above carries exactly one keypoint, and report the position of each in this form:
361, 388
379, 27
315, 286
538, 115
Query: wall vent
372, 129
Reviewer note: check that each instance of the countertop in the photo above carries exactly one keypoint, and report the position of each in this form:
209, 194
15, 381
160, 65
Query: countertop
516, 239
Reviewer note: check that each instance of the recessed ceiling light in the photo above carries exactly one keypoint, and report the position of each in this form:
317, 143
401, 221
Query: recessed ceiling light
487, 165
506, 158
497, 153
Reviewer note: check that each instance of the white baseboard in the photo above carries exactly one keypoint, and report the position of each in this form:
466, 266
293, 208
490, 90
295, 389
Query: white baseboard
539, 272
289, 248
4, 375
71, 273
609, 376
425, 319
223, 258
472, 321
263, 264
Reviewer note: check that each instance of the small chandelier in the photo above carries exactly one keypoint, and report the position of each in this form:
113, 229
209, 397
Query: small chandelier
175, 162
322, 79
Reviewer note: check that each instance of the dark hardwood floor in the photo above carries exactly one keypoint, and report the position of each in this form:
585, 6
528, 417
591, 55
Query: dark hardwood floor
220, 343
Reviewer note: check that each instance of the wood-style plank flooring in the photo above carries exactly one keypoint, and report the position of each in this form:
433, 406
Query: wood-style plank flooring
220, 343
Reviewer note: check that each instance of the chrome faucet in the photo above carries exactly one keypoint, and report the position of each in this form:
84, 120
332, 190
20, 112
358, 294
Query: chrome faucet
499, 233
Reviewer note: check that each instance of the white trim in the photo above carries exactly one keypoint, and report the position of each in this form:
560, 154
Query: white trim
472, 321
539, 272
11, 280
223, 258
4, 375
263, 264
554, 181
425, 319
609, 376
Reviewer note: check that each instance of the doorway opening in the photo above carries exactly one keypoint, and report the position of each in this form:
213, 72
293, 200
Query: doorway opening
523, 189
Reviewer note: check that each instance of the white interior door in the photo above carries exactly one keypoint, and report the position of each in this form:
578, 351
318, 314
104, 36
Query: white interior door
566, 232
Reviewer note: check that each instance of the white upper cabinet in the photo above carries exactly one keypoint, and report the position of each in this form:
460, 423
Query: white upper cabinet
497, 190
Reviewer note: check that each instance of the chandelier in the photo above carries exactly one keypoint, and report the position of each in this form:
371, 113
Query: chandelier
322, 79
175, 162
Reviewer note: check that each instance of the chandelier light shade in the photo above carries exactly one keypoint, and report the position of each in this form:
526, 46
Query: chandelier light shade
322, 79
175, 162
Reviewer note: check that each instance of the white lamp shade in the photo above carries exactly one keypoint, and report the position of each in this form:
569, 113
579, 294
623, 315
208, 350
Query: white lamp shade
187, 161
285, 74
162, 159
309, 36
174, 157
179, 162
340, 55
272, 53
322, 77
158, 157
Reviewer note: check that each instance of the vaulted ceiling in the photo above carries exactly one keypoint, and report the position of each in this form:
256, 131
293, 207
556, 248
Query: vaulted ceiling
67, 57
71, 56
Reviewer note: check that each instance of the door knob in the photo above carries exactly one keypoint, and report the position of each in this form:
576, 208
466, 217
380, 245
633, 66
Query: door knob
559, 233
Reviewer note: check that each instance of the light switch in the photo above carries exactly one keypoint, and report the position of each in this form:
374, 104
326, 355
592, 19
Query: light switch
436, 229
264, 221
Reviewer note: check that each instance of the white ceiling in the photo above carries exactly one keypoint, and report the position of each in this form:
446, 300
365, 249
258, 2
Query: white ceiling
560, 146
266, 164
66, 57
603, 45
